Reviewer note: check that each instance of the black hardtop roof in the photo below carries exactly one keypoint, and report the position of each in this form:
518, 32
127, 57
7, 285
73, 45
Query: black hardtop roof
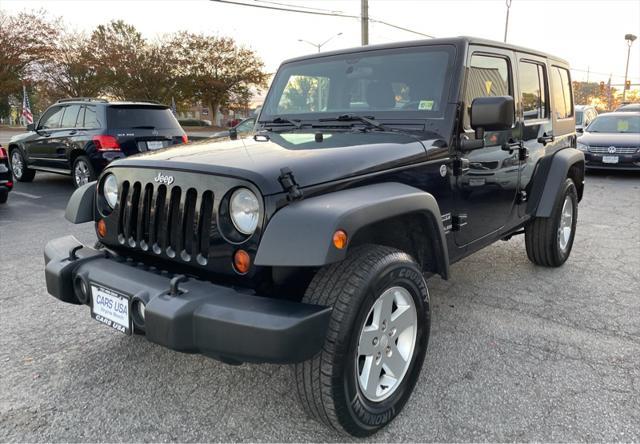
456, 41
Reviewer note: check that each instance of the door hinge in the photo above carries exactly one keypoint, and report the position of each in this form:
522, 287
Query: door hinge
458, 221
459, 166
289, 184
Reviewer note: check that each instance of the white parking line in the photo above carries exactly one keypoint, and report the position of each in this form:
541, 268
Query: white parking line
30, 196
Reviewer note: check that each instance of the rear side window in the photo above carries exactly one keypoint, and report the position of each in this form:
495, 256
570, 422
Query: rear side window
91, 118
562, 99
488, 76
141, 117
70, 116
533, 87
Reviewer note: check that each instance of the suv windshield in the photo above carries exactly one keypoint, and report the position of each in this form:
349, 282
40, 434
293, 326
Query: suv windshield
386, 84
140, 116
615, 124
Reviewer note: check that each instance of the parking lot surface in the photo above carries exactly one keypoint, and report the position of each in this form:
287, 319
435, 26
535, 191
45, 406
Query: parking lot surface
517, 352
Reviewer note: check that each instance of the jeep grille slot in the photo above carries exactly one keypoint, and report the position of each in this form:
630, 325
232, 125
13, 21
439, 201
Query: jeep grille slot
166, 220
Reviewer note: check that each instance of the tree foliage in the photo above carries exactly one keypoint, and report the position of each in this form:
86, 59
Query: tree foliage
117, 61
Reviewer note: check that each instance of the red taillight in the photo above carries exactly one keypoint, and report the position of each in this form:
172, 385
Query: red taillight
106, 143
3, 153
185, 138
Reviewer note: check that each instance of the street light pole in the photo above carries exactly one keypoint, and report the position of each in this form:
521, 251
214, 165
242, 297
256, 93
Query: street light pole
319, 46
629, 38
506, 22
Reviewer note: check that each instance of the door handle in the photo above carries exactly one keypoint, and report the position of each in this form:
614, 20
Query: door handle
72, 132
546, 138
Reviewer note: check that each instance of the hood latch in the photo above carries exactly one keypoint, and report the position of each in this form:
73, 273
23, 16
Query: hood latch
289, 184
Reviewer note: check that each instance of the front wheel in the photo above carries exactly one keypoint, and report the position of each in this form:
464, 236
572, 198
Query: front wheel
376, 341
19, 167
549, 239
82, 171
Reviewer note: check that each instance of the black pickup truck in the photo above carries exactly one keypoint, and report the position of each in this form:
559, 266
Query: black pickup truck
309, 241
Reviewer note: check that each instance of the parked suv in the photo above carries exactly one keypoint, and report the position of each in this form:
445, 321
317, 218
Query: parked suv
308, 242
6, 182
80, 137
585, 114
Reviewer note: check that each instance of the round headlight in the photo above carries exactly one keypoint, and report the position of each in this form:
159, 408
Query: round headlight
110, 190
245, 210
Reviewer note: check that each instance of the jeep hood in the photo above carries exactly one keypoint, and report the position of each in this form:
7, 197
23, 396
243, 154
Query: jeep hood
338, 155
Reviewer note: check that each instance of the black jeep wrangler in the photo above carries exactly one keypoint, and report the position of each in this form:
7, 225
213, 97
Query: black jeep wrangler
308, 242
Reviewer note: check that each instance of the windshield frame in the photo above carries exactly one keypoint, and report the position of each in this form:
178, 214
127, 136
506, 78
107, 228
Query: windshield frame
380, 115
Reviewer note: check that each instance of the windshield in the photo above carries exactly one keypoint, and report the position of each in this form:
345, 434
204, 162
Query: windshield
136, 116
385, 84
615, 124
579, 117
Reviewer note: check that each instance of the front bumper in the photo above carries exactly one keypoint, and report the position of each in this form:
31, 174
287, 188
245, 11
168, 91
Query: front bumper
627, 162
217, 321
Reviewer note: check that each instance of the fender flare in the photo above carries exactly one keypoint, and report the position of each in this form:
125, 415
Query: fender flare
81, 205
548, 179
300, 234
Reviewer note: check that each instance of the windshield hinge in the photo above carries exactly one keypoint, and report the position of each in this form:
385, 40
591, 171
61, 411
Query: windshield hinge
289, 184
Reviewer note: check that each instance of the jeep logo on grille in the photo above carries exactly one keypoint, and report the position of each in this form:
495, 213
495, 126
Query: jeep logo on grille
160, 178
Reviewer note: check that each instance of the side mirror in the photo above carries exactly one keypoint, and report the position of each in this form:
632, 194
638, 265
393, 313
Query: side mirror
31, 127
492, 113
580, 130
233, 133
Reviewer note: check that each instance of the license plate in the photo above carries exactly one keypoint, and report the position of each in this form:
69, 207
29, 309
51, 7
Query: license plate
609, 159
110, 308
155, 145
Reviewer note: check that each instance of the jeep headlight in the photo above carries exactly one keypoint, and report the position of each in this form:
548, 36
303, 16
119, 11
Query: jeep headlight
583, 147
245, 210
110, 190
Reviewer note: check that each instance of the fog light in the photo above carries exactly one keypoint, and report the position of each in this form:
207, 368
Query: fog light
340, 239
138, 309
102, 228
82, 290
241, 261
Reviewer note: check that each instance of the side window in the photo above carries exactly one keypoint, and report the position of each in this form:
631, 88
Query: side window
80, 119
70, 116
488, 76
91, 118
562, 99
533, 86
52, 118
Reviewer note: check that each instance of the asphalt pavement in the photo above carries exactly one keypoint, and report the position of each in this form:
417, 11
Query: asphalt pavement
517, 352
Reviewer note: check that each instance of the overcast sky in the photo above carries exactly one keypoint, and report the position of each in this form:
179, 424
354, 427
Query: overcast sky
588, 33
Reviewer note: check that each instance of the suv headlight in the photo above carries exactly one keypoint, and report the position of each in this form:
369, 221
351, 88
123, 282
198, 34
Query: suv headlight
583, 147
245, 210
110, 190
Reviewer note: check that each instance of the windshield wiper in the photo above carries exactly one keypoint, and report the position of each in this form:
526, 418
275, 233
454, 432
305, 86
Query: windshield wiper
281, 120
369, 120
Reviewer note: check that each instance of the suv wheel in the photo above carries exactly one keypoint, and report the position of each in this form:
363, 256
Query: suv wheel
549, 240
19, 167
376, 341
82, 171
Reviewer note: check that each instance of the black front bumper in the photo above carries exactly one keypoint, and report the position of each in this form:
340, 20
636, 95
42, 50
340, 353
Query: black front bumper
217, 321
626, 162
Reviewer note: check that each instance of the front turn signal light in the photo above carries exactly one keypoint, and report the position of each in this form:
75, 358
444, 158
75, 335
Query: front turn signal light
241, 261
340, 239
102, 228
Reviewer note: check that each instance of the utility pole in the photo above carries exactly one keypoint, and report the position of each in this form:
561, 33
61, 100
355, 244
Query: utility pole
629, 38
609, 93
364, 22
506, 22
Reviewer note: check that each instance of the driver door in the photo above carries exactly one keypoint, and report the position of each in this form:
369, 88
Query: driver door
40, 148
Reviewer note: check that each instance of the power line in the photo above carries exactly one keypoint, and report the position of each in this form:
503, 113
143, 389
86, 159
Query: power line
323, 12
601, 73
299, 6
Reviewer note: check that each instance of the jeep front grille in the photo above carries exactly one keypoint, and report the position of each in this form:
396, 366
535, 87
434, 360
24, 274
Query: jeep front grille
171, 221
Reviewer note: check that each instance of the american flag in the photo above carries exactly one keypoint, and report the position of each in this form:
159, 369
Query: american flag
26, 108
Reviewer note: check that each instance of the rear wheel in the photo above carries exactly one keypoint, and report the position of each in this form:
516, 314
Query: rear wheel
549, 239
376, 341
4, 195
19, 167
82, 171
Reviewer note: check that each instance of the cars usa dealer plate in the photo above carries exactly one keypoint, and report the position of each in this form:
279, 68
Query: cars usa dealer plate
111, 308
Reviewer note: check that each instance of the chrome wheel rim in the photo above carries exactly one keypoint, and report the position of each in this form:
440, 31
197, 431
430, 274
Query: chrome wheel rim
81, 173
386, 344
16, 164
566, 223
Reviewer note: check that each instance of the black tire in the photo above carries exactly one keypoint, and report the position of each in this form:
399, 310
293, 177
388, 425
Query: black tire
4, 195
25, 174
542, 237
82, 170
328, 384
